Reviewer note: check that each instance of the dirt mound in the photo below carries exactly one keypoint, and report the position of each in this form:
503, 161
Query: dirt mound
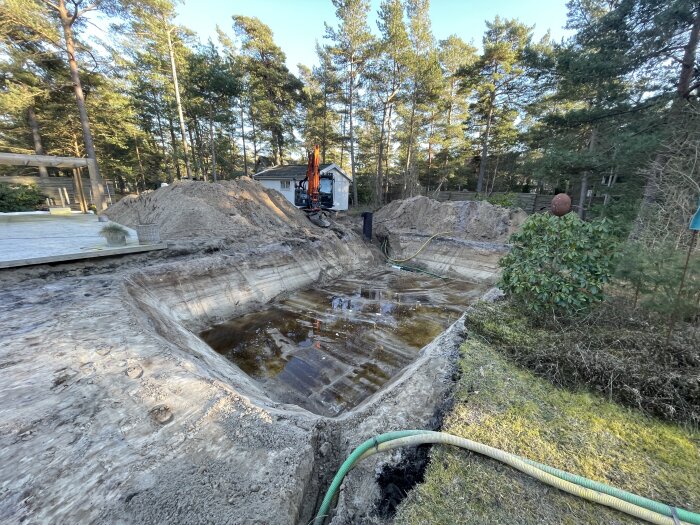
231, 210
473, 220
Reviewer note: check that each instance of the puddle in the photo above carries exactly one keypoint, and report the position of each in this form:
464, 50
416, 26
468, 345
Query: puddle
327, 349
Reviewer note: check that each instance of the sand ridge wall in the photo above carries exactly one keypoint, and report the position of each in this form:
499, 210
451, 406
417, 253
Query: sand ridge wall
216, 288
472, 220
465, 239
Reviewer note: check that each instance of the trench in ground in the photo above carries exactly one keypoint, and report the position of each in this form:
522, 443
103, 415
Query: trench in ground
326, 349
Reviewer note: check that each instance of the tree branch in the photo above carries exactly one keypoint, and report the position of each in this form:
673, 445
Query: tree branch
91, 7
51, 5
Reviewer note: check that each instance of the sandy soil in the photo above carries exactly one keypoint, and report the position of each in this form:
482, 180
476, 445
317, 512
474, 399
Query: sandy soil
239, 210
472, 220
113, 411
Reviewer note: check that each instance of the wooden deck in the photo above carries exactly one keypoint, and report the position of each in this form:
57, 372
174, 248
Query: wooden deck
30, 239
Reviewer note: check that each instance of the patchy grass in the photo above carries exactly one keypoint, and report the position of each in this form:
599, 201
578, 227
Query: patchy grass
615, 351
504, 406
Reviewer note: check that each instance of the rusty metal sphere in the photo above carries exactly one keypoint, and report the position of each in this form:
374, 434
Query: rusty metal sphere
561, 204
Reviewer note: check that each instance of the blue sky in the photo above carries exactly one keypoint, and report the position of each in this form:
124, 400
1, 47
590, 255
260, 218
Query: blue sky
298, 24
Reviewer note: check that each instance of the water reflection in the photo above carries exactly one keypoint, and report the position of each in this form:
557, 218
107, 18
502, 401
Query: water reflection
327, 349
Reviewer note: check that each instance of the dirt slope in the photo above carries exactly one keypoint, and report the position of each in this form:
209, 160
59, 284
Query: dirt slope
473, 220
236, 209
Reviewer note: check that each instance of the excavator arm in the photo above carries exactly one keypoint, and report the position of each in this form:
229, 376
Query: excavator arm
313, 178
313, 185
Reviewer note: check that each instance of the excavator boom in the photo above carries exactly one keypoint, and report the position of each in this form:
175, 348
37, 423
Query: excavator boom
313, 186
314, 178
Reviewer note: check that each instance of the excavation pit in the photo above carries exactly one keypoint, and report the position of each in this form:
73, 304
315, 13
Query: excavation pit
327, 349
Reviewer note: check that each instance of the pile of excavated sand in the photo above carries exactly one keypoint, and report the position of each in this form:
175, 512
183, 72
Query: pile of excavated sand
472, 220
235, 209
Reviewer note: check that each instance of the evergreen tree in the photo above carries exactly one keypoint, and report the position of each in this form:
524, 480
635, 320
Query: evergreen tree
351, 45
452, 109
275, 92
495, 83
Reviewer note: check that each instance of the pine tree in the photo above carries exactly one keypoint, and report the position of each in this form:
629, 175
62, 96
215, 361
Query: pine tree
452, 110
275, 92
387, 77
423, 91
351, 46
494, 82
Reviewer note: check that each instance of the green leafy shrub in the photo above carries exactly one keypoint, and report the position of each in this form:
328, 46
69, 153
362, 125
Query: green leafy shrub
19, 197
558, 265
507, 200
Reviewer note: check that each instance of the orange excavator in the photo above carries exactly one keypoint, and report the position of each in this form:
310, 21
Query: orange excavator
312, 184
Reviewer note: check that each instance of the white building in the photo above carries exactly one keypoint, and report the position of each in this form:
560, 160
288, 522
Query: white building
334, 191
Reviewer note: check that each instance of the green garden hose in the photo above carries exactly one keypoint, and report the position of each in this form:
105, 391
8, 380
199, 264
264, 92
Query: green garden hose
631, 504
682, 514
419, 249
350, 462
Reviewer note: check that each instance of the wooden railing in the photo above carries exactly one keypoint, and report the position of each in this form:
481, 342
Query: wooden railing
53, 186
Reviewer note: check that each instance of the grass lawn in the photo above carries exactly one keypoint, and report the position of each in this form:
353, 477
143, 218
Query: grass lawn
505, 406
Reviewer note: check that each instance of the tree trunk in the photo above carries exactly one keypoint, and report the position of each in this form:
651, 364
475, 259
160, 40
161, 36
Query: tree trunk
173, 140
245, 155
96, 181
584, 179
138, 156
279, 146
388, 150
352, 140
36, 137
255, 139
178, 103
430, 146
485, 149
324, 129
688, 64
212, 145
379, 184
448, 141
200, 149
495, 174
682, 92
407, 179
168, 173
195, 158
78, 181
343, 120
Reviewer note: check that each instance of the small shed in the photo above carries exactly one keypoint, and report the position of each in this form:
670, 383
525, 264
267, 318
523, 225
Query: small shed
334, 190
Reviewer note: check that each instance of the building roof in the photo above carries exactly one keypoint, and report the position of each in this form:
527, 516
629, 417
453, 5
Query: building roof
295, 172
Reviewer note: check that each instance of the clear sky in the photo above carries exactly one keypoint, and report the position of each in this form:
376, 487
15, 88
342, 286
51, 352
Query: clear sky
298, 24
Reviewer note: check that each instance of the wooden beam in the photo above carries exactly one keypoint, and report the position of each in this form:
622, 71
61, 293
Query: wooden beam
16, 159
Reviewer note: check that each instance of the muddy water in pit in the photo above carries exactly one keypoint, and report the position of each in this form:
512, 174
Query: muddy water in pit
327, 349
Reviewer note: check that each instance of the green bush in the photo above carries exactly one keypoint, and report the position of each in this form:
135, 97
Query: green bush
558, 265
18, 197
654, 275
507, 200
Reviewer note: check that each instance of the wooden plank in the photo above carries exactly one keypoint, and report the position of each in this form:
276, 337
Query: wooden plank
82, 255
18, 159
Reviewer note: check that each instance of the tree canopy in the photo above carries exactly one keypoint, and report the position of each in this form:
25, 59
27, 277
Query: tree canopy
400, 110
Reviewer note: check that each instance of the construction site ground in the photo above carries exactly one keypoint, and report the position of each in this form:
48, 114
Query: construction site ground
114, 410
